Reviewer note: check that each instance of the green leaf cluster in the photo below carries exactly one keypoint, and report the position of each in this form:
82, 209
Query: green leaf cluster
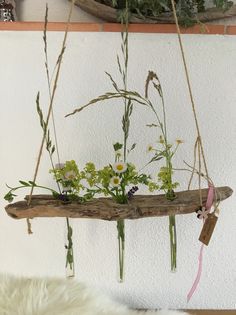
69, 247
49, 145
151, 9
126, 180
69, 177
25, 184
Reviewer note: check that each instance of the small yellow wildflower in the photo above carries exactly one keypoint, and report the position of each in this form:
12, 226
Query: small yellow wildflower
150, 148
161, 140
179, 141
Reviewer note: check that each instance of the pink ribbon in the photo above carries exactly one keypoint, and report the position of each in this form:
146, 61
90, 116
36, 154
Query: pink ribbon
209, 202
198, 277
210, 197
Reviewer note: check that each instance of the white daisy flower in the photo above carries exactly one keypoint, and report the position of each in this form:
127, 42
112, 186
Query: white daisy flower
115, 181
119, 167
59, 166
88, 175
70, 175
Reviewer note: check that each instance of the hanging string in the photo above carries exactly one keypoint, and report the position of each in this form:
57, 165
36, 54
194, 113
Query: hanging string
189, 86
199, 170
49, 110
194, 163
197, 151
200, 152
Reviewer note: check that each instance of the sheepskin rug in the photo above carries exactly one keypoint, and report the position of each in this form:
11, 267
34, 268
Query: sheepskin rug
22, 296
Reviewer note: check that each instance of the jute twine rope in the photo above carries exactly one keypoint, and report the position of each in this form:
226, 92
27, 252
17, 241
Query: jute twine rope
50, 110
198, 148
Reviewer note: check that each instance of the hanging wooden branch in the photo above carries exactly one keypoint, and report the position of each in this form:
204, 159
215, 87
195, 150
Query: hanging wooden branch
142, 206
109, 14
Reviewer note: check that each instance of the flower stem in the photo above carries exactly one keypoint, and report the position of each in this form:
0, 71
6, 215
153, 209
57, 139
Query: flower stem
121, 245
69, 251
125, 127
173, 242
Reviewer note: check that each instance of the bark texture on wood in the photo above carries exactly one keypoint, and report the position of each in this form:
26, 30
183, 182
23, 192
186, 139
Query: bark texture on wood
140, 206
109, 14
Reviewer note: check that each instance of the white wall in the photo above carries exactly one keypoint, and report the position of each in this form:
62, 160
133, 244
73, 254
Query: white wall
149, 282
33, 10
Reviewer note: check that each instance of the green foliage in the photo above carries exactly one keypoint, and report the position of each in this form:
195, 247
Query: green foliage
165, 177
49, 146
68, 176
69, 246
117, 146
117, 179
9, 197
166, 152
151, 9
24, 184
223, 4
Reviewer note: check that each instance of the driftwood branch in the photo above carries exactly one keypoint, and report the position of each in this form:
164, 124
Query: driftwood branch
109, 14
107, 209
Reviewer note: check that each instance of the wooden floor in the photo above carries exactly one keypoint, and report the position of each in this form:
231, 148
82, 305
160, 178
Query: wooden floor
211, 312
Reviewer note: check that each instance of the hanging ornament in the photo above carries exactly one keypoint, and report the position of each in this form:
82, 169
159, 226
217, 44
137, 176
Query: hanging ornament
7, 11
202, 213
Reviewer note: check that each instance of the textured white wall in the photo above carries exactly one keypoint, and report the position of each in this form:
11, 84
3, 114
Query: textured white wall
149, 282
33, 10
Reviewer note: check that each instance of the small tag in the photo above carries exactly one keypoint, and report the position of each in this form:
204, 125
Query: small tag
208, 229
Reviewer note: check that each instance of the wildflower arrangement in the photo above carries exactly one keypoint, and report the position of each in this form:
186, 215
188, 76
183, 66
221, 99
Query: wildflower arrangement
119, 180
165, 150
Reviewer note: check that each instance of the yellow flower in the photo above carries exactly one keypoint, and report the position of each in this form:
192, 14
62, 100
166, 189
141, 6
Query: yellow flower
115, 181
119, 167
149, 148
161, 140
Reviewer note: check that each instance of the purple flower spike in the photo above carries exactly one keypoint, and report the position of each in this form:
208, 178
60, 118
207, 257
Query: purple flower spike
132, 191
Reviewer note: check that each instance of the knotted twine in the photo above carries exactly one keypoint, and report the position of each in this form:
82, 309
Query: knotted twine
200, 152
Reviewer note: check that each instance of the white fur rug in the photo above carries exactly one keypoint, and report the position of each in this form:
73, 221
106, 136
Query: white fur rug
21, 296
